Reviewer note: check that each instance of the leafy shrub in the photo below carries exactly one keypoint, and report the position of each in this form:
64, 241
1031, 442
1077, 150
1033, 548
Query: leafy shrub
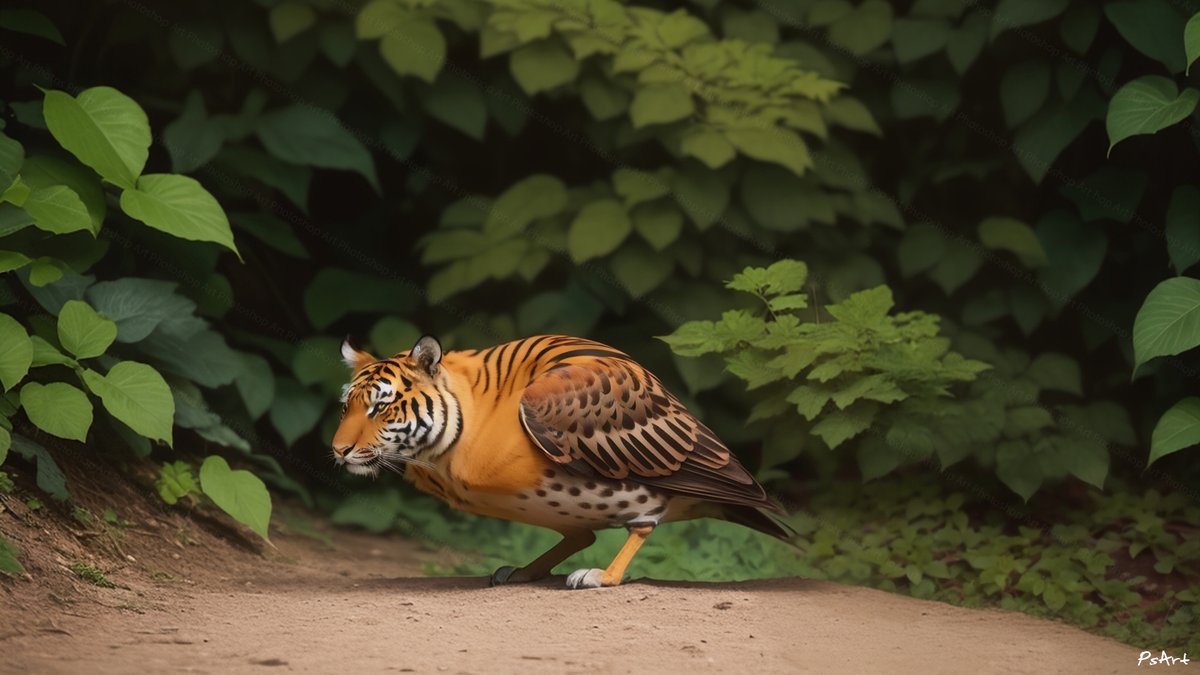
91, 332
846, 368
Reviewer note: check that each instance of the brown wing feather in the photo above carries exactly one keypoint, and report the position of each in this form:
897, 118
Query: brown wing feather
610, 417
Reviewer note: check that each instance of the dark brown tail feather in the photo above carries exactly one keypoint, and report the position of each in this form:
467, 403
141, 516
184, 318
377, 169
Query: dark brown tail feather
754, 519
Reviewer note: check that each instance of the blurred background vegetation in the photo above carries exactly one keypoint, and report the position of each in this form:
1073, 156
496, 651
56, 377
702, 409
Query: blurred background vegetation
920, 263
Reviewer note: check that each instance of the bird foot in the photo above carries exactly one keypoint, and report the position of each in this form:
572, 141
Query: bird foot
504, 575
585, 578
590, 578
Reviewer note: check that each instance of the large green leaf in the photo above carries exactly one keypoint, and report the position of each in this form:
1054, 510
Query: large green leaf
1183, 227
138, 306
314, 137
1153, 27
104, 129
1009, 234
202, 356
1147, 105
639, 269
239, 493
1086, 457
543, 65
44, 171
772, 144
533, 197
1057, 372
1018, 467
1191, 41
1074, 250
599, 229
660, 104
255, 384
1079, 26
703, 194
415, 47
46, 354
318, 360
1011, 14
376, 511
457, 101
9, 564
50, 478
58, 408
920, 249
83, 332
12, 155
193, 138
16, 352
58, 209
289, 19
180, 206
295, 410
31, 23
1169, 321
391, 335
1023, 89
709, 146
660, 223
137, 395
1178, 428
914, 39
864, 29
1111, 192
966, 42
334, 293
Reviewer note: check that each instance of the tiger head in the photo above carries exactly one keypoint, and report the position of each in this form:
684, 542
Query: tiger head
395, 411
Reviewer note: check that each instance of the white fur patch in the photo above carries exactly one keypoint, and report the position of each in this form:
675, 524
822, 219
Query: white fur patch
350, 355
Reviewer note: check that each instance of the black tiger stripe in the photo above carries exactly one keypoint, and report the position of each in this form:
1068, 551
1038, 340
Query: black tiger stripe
502, 373
591, 351
487, 373
445, 420
458, 422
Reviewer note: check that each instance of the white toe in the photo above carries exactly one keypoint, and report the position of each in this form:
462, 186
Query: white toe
585, 578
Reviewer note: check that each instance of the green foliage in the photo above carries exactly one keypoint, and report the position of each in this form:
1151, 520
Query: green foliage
9, 558
239, 493
177, 481
859, 368
91, 574
1177, 429
1169, 321
1148, 105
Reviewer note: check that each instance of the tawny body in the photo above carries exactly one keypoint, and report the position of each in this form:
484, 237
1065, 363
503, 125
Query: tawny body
553, 431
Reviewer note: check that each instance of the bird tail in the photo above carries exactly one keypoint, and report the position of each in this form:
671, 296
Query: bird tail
754, 519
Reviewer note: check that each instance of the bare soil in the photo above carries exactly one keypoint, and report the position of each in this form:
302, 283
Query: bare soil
192, 594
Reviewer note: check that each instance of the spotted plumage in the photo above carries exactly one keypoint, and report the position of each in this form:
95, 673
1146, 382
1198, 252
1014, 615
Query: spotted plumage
555, 431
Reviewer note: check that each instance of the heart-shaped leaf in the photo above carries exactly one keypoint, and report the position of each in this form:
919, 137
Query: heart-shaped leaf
239, 493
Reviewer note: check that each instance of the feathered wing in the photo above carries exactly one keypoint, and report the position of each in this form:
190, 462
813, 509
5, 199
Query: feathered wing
610, 417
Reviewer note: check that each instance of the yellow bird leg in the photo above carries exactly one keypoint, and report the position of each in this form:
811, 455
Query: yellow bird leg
616, 569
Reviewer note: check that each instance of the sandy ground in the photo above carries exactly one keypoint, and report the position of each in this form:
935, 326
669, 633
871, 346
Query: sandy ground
362, 607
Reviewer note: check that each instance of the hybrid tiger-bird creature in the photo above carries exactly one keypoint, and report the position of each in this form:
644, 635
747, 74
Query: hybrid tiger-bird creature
554, 431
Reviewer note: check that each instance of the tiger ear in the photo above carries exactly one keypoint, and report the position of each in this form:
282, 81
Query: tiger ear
354, 357
427, 354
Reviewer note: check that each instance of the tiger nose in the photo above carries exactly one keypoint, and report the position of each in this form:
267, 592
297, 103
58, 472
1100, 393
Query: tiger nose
342, 450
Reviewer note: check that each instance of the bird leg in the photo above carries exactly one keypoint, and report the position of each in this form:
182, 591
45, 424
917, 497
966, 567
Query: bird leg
572, 543
595, 578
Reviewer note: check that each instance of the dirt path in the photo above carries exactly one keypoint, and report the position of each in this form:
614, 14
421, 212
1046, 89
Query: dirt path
363, 608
